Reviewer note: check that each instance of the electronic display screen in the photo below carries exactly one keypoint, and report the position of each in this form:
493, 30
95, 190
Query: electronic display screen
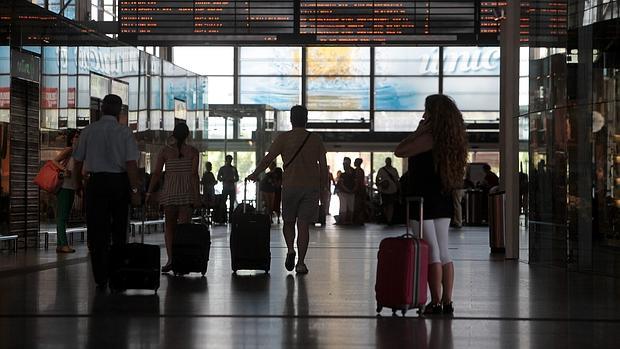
304, 21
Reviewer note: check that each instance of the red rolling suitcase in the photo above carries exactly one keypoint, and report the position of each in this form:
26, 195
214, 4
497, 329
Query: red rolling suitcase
402, 270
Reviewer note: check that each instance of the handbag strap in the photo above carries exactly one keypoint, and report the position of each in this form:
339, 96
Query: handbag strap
391, 176
297, 152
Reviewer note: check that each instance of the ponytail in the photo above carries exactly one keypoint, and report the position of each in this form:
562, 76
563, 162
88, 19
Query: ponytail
180, 133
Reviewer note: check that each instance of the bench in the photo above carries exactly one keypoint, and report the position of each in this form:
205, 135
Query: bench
70, 232
138, 225
10, 238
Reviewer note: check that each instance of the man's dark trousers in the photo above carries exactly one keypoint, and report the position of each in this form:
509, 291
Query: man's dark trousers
230, 191
107, 208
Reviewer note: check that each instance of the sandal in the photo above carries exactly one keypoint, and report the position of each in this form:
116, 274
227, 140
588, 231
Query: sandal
433, 309
448, 308
65, 249
166, 268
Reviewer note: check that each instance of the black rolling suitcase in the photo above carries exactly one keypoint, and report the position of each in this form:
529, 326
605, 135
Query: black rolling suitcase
249, 240
219, 210
135, 265
190, 249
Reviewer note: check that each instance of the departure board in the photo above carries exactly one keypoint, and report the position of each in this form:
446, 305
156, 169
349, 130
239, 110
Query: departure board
165, 22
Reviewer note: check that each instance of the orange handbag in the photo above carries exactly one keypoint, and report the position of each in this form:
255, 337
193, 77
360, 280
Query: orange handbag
49, 177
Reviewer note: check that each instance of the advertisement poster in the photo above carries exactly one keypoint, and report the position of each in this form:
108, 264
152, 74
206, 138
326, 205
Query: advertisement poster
5, 97
49, 97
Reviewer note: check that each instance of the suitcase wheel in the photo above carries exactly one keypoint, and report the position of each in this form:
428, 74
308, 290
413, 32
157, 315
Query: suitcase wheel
203, 273
403, 312
394, 312
379, 308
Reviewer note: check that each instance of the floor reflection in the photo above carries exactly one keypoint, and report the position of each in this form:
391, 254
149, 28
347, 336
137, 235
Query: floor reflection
183, 295
120, 320
298, 331
394, 332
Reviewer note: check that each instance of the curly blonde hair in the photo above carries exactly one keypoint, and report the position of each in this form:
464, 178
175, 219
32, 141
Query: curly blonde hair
449, 140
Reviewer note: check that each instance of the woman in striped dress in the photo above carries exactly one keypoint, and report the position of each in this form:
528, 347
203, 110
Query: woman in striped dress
180, 192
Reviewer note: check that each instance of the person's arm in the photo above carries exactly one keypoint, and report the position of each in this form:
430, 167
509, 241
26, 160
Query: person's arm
380, 178
418, 142
79, 155
156, 175
64, 155
211, 181
220, 176
134, 181
131, 162
274, 151
196, 176
77, 170
325, 187
236, 174
262, 166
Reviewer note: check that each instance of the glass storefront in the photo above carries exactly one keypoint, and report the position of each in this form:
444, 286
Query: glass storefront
574, 110
73, 82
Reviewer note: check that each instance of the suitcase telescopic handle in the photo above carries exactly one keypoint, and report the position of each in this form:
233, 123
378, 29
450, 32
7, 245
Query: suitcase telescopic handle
143, 222
420, 200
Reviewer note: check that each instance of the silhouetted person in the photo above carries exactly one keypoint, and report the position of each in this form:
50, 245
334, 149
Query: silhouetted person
267, 186
111, 154
229, 177
347, 186
490, 178
304, 180
328, 190
208, 183
388, 185
359, 210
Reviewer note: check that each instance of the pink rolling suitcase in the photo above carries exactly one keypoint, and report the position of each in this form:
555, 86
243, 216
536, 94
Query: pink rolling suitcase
402, 270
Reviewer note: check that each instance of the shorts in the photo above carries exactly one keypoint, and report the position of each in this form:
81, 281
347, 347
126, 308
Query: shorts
299, 203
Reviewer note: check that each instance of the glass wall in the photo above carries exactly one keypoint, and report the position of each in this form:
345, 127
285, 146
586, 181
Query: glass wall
381, 87
574, 114
73, 76
74, 80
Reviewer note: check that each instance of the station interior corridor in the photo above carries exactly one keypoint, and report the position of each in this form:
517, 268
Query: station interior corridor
498, 303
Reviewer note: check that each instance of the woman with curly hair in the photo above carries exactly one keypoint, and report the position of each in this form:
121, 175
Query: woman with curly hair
437, 153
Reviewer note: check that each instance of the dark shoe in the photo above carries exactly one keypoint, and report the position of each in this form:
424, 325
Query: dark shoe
166, 268
290, 261
448, 308
432, 309
64, 249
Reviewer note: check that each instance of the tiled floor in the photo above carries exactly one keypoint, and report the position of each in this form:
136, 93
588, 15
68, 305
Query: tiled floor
499, 304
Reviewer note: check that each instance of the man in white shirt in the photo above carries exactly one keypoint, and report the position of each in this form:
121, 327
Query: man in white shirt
111, 154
